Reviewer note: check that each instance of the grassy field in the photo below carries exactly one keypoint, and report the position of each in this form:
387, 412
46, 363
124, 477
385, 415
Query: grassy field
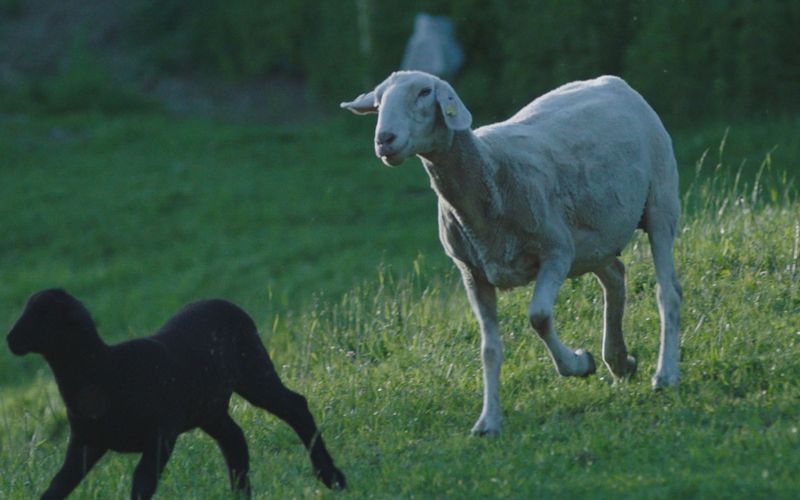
338, 261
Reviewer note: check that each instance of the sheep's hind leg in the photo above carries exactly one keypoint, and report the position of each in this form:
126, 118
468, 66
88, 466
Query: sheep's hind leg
661, 227
540, 313
264, 389
233, 445
483, 300
615, 353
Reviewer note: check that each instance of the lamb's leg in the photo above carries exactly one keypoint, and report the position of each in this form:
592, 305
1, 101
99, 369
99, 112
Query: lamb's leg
231, 441
77, 463
615, 353
483, 300
151, 465
551, 276
264, 389
660, 229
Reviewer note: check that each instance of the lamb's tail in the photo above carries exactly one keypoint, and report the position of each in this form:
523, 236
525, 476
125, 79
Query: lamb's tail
254, 364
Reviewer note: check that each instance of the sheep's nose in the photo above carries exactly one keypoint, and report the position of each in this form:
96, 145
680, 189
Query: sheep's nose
385, 138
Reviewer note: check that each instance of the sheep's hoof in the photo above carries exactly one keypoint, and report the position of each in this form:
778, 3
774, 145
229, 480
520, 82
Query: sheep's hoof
631, 367
665, 381
483, 428
486, 432
624, 370
592, 366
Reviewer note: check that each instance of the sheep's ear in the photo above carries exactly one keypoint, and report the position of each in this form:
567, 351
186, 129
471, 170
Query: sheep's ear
361, 105
456, 115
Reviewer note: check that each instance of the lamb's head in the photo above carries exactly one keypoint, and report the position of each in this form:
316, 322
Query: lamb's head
417, 114
53, 321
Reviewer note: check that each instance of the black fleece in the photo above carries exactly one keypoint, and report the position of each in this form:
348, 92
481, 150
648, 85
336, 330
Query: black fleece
138, 396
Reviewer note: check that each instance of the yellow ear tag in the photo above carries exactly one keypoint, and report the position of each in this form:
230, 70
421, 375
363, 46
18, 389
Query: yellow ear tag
450, 110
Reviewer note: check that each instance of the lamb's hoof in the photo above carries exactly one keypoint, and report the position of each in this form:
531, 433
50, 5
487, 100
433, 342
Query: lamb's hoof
591, 367
333, 478
663, 381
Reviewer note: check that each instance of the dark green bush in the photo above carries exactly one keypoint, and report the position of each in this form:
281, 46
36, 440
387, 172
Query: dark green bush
717, 57
10, 8
83, 84
689, 58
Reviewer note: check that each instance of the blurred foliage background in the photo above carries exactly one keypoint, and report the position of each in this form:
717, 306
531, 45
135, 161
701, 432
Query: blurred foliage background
692, 59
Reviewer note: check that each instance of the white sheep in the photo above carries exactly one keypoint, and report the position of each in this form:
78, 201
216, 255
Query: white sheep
432, 47
553, 192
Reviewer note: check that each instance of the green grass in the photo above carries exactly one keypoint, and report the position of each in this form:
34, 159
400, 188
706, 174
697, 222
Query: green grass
338, 261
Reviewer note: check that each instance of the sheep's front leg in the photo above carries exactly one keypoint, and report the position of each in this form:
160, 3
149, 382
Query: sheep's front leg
151, 465
79, 460
483, 299
551, 276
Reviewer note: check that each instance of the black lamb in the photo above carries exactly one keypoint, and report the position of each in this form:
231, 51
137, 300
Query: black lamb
139, 395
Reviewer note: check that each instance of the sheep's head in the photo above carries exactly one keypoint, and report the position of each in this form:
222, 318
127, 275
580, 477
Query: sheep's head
417, 114
48, 323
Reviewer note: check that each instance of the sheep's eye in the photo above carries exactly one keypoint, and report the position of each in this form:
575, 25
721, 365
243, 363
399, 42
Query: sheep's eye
425, 92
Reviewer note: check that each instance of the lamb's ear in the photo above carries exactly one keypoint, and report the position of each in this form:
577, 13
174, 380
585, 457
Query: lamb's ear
456, 115
363, 104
